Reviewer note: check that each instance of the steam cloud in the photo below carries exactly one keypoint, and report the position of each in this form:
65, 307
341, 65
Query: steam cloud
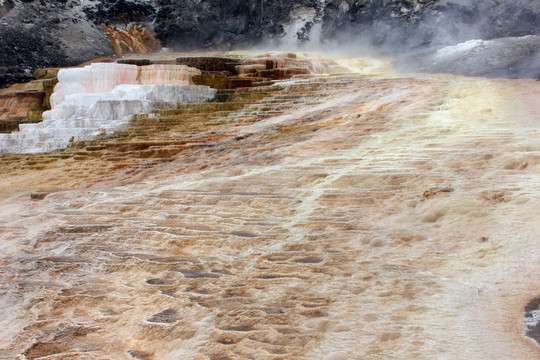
416, 35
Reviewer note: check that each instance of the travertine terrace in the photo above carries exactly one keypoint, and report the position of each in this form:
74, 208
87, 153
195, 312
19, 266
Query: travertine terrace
344, 216
97, 98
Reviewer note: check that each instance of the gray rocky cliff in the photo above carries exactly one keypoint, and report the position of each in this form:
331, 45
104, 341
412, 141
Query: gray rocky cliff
39, 33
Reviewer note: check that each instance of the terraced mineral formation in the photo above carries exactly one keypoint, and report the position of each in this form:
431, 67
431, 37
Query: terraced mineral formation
348, 216
101, 97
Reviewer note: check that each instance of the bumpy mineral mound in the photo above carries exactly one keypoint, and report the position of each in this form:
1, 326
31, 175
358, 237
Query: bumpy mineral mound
321, 216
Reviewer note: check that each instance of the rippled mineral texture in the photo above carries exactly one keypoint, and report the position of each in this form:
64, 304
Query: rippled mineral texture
379, 216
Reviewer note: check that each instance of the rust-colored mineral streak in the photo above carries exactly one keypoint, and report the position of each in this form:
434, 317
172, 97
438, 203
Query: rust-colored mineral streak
135, 40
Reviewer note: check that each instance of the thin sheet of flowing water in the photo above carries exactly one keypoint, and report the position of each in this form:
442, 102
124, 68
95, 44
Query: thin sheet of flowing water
383, 217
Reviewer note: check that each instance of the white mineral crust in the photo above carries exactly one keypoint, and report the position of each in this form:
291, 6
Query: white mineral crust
99, 98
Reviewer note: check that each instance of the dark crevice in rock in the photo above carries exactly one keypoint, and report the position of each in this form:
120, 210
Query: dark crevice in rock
167, 316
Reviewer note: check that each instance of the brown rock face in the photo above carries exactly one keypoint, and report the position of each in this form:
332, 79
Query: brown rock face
46, 73
25, 103
336, 217
135, 40
214, 80
19, 107
15, 105
210, 63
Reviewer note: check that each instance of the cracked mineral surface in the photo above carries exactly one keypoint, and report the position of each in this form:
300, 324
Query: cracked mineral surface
375, 216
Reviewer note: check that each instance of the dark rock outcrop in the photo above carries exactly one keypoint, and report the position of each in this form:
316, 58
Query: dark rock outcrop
413, 24
224, 24
119, 12
5, 7
36, 34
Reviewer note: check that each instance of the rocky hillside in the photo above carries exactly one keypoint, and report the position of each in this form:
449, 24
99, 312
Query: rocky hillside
38, 33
